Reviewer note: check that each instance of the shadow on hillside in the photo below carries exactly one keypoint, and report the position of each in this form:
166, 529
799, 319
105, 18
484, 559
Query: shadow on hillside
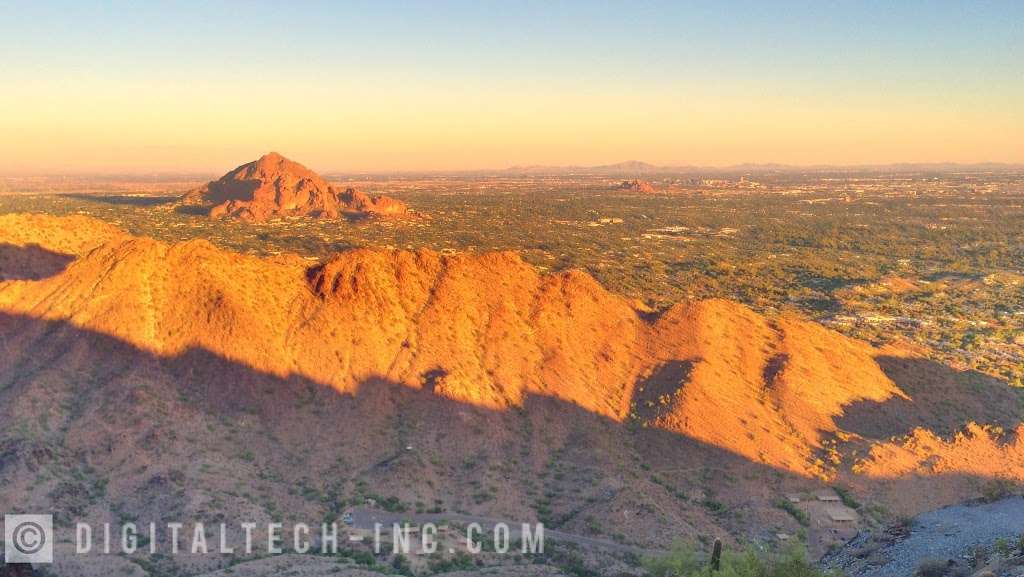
122, 199
31, 262
128, 416
140, 421
942, 399
653, 396
140, 424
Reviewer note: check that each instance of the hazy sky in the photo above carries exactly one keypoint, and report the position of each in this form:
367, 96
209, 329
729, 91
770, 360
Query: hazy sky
451, 85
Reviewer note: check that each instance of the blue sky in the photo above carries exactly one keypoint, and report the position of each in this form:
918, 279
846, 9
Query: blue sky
463, 66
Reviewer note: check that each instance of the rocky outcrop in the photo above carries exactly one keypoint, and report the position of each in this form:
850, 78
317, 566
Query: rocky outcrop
274, 186
357, 201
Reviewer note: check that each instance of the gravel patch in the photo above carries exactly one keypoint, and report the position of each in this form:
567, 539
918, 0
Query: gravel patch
948, 533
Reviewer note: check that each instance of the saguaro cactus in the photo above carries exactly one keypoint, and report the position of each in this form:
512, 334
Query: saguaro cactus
716, 556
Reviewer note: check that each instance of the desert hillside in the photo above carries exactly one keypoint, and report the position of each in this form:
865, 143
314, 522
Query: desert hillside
457, 381
483, 329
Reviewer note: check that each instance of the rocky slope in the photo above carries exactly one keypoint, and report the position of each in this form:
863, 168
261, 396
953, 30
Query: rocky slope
145, 379
274, 186
486, 330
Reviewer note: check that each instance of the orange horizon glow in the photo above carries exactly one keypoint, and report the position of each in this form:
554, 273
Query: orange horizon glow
167, 128
462, 86
126, 130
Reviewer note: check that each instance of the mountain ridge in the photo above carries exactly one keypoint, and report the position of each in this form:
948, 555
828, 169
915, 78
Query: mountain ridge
158, 381
424, 320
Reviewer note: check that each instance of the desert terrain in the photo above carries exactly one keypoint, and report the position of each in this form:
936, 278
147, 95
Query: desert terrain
765, 359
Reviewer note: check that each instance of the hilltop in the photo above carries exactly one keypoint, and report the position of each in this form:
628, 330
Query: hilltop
274, 186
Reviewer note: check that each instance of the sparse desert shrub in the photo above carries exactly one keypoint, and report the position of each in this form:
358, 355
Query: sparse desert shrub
683, 559
902, 526
686, 561
795, 511
846, 496
364, 558
997, 489
794, 563
401, 565
714, 506
878, 513
461, 561
392, 505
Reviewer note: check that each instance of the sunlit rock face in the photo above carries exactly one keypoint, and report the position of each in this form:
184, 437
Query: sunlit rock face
274, 186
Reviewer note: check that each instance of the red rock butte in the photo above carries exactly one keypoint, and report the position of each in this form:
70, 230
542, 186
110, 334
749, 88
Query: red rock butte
274, 186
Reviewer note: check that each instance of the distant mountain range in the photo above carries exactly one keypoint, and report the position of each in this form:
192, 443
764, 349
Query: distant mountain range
637, 167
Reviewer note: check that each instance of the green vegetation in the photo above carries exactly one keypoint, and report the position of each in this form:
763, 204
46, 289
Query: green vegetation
364, 558
458, 562
401, 565
846, 496
795, 511
687, 561
997, 490
716, 507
